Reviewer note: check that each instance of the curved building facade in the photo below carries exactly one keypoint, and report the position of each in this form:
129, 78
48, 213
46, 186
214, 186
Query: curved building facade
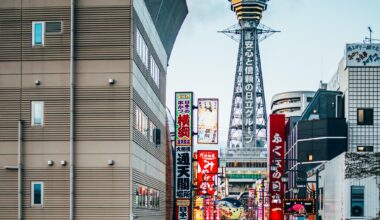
291, 103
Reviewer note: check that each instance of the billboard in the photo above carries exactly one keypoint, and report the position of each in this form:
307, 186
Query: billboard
183, 172
183, 118
362, 55
299, 207
208, 121
207, 171
276, 158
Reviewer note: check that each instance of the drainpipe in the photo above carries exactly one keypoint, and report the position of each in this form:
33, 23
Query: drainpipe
72, 111
20, 169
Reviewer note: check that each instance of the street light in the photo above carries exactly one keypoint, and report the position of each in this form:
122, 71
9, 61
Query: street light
284, 179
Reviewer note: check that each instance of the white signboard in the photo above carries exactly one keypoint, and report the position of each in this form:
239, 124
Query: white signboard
362, 55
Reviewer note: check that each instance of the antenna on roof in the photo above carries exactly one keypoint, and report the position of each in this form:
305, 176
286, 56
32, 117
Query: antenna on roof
370, 34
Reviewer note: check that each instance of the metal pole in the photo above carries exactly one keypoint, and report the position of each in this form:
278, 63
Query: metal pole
72, 111
20, 169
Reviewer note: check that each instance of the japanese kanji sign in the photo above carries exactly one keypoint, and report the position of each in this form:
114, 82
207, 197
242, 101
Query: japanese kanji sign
209, 209
207, 171
183, 209
183, 118
276, 159
249, 90
208, 121
362, 55
183, 172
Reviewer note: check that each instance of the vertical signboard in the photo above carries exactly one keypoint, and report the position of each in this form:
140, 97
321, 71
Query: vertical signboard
249, 91
362, 55
276, 159
209, 209
207, 171
183, 118
208, 121
183, 140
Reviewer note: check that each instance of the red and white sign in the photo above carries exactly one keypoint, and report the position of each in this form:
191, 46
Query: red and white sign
276, 158
209, 209
207, 171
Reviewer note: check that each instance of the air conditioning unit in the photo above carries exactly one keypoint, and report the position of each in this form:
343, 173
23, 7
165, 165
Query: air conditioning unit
357, 210
157, 136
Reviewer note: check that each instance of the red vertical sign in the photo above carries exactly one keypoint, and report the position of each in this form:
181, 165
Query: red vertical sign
276, 159
207, 171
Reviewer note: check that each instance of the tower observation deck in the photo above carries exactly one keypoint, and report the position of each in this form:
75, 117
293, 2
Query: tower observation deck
246, 151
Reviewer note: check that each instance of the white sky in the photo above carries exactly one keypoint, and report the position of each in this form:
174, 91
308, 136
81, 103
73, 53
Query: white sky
308, 48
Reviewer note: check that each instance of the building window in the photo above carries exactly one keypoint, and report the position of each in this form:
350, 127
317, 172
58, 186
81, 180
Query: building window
364, 148
142, 48
310, 157
141, 121
154, 71
365, 116
152, 128
37, 194
357, 201
53, 27
37, 113
147, 197
38, 33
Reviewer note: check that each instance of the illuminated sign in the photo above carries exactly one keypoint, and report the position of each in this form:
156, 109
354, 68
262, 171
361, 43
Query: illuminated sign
299, 207
207, 171
362, 55
183, 210
208, 121
209, 209
183, 118
276, 159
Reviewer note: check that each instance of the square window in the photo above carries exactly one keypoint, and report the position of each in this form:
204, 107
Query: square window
38, 33
37, 115
53, 27
365, 116
37, 194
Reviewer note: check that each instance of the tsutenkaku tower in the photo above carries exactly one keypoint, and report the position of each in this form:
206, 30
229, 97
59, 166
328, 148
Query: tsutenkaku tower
248, 123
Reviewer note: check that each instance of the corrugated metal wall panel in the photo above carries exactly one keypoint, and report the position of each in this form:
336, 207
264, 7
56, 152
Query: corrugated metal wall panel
56, 193
57, 46
9, 113
103, 33
8, 194
102, 193
140, 178
102, 113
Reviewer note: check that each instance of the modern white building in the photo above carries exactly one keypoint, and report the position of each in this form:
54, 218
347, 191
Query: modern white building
291, 103
347, 187
358, 77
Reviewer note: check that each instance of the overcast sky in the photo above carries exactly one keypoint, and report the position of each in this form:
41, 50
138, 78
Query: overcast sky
308, 48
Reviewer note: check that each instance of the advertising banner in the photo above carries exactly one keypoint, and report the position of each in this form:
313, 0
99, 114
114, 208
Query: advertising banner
299, 207
183, 172
362, 55
183, 118
183, 209
209, 209
276, 159
208, 121
207, 171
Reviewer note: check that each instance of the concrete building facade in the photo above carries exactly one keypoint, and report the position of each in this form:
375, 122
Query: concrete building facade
291, 103
82, 107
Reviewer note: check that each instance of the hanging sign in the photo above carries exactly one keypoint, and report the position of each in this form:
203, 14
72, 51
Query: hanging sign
276, 159
207, 171
207, 121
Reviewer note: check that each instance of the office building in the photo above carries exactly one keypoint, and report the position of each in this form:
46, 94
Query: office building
82, 107
291, 103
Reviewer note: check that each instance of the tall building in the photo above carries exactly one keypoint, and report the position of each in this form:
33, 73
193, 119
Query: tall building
358, 77
82, 107
291, 103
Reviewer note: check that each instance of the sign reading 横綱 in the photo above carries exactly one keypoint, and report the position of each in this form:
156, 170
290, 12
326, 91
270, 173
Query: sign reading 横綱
183, 159
183, 118
207, 171
249, 106
362, 55
208, 121
276, 159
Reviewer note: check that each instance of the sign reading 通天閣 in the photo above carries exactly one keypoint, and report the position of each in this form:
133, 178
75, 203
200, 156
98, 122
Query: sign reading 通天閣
207, 121
362, 55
